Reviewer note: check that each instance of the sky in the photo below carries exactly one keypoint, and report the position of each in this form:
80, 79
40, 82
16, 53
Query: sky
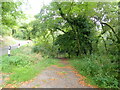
35, 6
32, 8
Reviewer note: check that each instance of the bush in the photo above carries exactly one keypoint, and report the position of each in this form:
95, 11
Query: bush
45, 49
5, 30
19, 35
17, 60
100, 69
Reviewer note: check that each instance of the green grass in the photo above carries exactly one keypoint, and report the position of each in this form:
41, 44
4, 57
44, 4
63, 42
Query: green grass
98, 69
60, 65
29, 72
24, 65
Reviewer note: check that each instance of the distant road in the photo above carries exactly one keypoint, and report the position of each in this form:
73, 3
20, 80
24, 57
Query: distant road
4, 50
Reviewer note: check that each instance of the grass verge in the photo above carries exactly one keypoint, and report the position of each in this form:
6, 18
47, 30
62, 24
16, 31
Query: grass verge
24, 65
6, 41
100, 70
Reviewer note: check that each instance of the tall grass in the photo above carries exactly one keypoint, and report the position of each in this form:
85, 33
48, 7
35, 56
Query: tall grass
101, 70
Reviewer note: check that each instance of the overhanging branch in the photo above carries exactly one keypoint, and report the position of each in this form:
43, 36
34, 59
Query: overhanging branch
112, 30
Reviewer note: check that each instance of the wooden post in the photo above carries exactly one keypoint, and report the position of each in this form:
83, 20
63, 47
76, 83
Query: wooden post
18, 45
9, 50
27, 43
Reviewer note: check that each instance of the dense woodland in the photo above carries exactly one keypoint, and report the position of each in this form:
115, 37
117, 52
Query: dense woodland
88, 31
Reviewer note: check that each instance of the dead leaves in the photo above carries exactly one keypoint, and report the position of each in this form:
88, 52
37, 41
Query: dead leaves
52, 79
11, 86
6, 79
27, 82
18, 84
81, 80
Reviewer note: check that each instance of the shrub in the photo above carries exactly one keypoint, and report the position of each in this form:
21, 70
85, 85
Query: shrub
100, 69
45, 50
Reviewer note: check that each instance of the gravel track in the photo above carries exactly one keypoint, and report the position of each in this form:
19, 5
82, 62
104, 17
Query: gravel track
55, 77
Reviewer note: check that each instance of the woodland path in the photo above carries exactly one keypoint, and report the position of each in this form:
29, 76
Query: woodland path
57, 77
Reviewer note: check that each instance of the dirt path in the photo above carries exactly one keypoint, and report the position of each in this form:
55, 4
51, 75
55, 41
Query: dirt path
56, 77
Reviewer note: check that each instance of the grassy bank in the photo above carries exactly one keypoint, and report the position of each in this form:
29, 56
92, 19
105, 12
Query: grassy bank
6, 41
100, 70
24, 65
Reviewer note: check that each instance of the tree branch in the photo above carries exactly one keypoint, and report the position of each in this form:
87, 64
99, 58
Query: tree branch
112, 30
60, 30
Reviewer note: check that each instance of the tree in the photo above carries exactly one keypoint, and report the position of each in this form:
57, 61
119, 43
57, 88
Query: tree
11, 13
84, 19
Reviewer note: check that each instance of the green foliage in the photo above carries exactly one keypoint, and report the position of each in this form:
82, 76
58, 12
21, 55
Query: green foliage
82, 28
45, 49
5, 30
66, 43
80, 36
10, 12
28, 72
24, 65
75, 28
18, 59
100, 69
10, 16
19, 35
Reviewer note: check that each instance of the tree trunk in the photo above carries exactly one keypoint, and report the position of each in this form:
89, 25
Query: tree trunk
105, 44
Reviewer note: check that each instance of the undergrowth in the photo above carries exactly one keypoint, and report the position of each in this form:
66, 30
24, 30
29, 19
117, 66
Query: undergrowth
100, 70
24, 65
